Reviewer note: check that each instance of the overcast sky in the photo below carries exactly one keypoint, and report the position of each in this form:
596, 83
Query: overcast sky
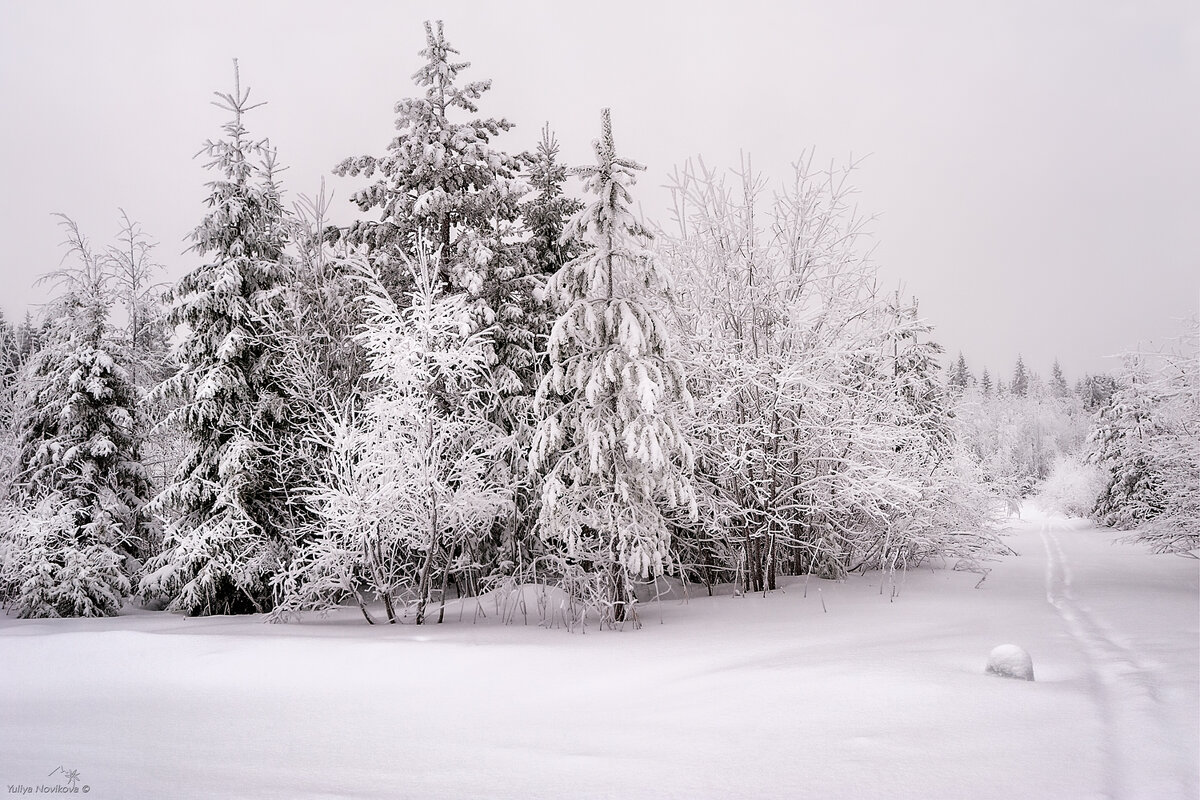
1034, 165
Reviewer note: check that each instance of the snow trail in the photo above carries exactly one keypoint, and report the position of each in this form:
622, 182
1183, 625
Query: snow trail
1139, 754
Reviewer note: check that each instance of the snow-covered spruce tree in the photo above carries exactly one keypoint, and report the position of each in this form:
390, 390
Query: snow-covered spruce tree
443, 181
78, 525
1132, 495
922, 399
10, 365
1146, 440
1174, 446
413, 486
222, 542
1020, 379
1058, 381
548, 211
615, 461
958, 378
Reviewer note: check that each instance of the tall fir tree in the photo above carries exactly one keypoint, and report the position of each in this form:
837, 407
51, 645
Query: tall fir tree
80, 479
444, 183
222, 542
1058, 381
923, 406
1020, 379
10, 363
960, 376
985, 383
548, 211
615, 459
441, 182
1133, 493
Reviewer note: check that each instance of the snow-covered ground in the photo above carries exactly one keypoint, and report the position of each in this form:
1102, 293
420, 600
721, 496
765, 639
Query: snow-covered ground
845, 692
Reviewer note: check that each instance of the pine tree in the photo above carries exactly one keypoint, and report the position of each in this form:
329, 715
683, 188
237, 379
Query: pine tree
10, 365
29, 338
80, 479
440, 181
546, 215
443, 182
1058, 381
959, 377
923, 404
985, 383
222, 543
1133, 494
609, 443
1020, 380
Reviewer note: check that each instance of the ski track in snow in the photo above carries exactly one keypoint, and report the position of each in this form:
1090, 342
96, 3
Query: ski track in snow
1127, 692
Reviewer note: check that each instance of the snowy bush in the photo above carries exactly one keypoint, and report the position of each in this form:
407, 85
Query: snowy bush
1071, 488
47, 569
1147, 440
822, 432
413, 482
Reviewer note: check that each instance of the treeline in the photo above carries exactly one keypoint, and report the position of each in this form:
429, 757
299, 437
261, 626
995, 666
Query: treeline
480, 383
1123, 449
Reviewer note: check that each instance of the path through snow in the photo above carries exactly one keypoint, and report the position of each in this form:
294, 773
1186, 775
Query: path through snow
1140, 755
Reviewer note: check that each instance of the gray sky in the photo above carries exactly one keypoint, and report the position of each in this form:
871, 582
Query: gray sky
1034, 165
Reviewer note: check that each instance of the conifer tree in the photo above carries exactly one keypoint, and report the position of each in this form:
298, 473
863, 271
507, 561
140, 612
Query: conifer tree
923, 404
959, 376
222, 543
441, 182
548, 212
9, 367
80, 480
1118, 443
615, 460
1020, 379
985, 383
1058, 381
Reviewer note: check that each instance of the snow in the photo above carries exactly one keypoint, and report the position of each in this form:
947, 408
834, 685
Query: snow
822, 689
1010, 661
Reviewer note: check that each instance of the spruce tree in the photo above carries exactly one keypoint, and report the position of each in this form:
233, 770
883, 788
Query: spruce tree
615, 459
441, 181
1058, 381
985, 383
923, 405
549, 210
1020, 379
222, 543
9, 366
80, 481
444, 183
1133, 493
959, 375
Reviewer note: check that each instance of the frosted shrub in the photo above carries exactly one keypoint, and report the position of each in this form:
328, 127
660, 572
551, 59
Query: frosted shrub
1071, 488
47, 569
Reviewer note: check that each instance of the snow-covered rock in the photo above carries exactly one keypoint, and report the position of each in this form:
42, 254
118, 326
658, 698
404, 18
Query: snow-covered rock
1010, 661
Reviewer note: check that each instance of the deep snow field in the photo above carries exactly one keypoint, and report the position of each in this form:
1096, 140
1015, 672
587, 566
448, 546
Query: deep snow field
844, 693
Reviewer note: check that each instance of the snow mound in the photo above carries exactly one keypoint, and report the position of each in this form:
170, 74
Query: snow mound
1010, 661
